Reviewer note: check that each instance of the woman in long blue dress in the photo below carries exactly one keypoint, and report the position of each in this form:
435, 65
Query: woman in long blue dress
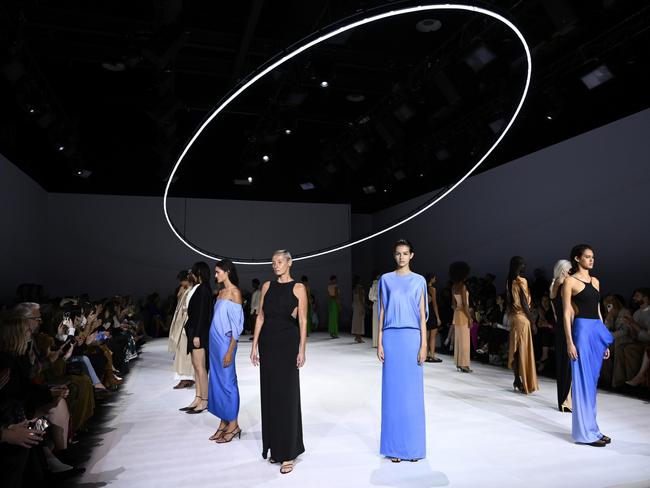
587, 344
402, 348
227, 325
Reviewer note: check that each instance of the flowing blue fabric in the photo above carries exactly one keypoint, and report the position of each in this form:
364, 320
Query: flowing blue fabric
403, 433
591, 339
223, 393
402, 396
400, 297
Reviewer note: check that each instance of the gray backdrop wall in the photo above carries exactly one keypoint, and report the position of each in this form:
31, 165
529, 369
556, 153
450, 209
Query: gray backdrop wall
594, 188
22, 213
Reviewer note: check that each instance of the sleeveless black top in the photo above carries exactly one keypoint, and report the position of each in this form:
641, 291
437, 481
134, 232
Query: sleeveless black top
279, 304
587, 301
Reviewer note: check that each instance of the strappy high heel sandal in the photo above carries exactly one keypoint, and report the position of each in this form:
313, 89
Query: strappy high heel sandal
195, 411
187, 409
286, 467
216, 435
605, 439
232, 434
395, 460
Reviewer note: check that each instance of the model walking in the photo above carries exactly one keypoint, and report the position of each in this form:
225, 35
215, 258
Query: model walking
279, 343
197, 329
587, 344
562, 361
521, 356
433, 321
333, 307
177, 338
462, 320
402, 349
358, 309
373, 297
227, 325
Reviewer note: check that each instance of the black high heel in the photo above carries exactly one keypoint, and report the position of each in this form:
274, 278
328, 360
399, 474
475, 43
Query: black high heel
518, 386
606, 439
564, 409
195, 411
186, 409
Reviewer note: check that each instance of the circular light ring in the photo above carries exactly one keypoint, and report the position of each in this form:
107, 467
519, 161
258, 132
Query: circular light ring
303, 46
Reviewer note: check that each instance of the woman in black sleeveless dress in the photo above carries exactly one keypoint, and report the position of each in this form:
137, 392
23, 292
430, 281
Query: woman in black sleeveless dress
279, 349
562, 360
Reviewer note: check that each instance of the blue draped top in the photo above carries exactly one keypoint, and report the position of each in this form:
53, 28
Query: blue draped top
400, 296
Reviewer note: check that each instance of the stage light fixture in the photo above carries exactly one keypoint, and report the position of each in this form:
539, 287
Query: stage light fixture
314, 40
250, 179
266, 158
597, 77
324, 84
287, 132
60, 147
307, 186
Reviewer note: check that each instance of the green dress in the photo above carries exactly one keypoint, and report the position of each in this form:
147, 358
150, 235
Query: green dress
333, 319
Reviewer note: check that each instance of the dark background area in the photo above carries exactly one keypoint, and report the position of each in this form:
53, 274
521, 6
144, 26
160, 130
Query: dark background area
100, 98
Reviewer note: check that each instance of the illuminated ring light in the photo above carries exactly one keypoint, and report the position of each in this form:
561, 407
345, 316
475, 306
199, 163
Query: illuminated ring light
317, 39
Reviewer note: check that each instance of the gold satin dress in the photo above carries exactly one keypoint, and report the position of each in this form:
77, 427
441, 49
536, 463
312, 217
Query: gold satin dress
521, 337
461, 330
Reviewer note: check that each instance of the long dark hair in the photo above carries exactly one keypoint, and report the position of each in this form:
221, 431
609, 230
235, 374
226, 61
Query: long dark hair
227, 266
459, 271
202, 272
403, 242
576, 252
516, 263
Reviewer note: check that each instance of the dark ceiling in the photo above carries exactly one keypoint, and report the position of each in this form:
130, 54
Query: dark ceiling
101, 97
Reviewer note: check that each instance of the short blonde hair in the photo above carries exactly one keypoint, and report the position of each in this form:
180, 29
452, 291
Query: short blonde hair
286, 254
13, 335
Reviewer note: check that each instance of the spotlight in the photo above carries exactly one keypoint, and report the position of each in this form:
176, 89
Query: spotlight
307, 186
355, 97
428, 25
549, 117
287, 131
324, 84
250, 179
60, 147
83, 173
265, 158
369, 189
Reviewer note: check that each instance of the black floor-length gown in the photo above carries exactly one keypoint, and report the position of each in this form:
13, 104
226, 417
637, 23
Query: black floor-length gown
562, 360
279, 378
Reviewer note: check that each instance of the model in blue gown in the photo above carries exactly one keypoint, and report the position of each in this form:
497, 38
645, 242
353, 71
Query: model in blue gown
591, 339
223, 394
403, 434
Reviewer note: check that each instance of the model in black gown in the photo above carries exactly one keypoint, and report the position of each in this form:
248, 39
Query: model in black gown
562, 360
279, 377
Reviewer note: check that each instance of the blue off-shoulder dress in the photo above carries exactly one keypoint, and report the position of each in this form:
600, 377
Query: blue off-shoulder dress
223, 392
403, 433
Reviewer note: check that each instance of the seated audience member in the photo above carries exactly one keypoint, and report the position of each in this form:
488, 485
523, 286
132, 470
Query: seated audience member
631, 355
545, 330
615, 313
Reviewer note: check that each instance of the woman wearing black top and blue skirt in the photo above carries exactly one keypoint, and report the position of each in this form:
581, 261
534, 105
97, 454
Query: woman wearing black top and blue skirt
587, 344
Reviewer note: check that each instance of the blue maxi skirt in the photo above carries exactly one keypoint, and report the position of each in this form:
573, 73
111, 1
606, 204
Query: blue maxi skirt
591, 339
223, 392
402, 396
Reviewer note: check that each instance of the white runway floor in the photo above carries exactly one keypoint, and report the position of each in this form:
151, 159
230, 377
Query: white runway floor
480, 433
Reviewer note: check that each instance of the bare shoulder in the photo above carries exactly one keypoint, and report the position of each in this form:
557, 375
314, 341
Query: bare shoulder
299, 288
266, 285
595, 282
235, 296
